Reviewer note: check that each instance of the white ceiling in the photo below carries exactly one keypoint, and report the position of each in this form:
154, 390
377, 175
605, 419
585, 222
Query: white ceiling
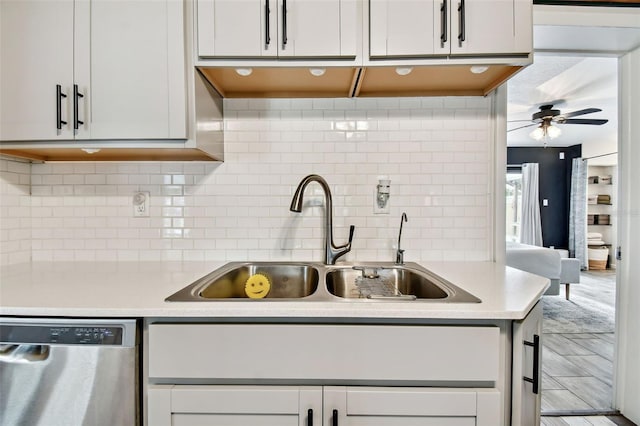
574, 68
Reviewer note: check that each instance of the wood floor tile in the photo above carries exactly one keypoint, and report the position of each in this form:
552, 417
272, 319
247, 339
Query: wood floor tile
554, 400
561, 365
597, 346
592, 420
576, 421
564, 346
609, 337
581, 335
549, 382
600, 421
593, 365
589, 389
552, 421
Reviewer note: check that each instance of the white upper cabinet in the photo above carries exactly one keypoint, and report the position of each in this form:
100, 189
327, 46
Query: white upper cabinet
403, 28
420, 28
277, 28
131, 66
118, 66
36, 59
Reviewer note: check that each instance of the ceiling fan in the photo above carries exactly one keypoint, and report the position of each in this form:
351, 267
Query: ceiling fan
547, 117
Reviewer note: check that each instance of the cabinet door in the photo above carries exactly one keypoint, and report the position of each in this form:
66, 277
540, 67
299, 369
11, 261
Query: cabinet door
482, 27
406, 28
237, 28
379, 406
36, 54
525, 410
234, 405
129, 67
316, 28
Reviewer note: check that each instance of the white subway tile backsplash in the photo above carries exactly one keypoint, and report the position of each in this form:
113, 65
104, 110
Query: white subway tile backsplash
435, 151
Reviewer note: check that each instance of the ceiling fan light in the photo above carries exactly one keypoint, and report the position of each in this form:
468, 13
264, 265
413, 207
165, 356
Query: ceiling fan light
537, 134
553, 131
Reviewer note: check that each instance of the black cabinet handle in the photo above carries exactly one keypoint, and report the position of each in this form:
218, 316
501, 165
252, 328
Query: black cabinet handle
76, 95
267, 30
334, 418
284, 23
59, 96
443, 23
461, 18
309, 417
535, 380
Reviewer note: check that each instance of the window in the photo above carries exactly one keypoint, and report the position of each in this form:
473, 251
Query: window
513, 206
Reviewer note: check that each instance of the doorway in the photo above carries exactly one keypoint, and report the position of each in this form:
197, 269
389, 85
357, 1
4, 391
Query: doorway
578, 333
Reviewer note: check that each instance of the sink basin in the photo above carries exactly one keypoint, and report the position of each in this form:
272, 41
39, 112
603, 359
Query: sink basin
393, 283
287, 281
311, 281
374, 283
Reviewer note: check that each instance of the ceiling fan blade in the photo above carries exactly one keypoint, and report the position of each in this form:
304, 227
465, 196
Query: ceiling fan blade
581, 112
519, 121
596, 122
522, 127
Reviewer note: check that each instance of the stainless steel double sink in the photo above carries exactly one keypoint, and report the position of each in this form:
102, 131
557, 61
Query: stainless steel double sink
310, 281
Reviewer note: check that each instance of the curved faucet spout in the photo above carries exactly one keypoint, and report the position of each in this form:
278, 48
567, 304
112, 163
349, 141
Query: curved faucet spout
332, 252
399, 251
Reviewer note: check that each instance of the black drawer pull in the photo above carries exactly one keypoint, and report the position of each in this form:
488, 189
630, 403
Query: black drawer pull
535, 380
284, 23
267, 30
443, 23
462, 34
76, 95
59, 95
334, 418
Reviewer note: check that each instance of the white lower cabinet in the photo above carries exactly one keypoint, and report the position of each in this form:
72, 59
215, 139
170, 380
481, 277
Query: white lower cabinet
227, 405
527, 366
220, 374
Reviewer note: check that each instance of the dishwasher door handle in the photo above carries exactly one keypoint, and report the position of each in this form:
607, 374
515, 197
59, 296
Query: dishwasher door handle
24, 354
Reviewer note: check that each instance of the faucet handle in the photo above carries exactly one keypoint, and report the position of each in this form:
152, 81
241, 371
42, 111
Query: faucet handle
352, 229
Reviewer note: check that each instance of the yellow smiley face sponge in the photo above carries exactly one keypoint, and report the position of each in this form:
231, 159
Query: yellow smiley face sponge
257, 286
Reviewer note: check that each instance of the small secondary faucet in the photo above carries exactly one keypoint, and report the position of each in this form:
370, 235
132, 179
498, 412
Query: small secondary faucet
399, 251
332, 253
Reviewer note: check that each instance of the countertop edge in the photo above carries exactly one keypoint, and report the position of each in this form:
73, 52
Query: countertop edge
507, 294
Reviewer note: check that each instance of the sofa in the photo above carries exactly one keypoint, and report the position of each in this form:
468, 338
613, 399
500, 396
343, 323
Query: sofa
554, 264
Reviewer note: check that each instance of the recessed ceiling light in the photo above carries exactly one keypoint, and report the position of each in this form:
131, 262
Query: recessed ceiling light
478, 69
317, 72
244, 72
404, 70
91, 150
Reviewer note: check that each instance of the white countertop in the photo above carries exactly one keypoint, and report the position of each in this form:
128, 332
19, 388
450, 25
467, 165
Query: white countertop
138, 289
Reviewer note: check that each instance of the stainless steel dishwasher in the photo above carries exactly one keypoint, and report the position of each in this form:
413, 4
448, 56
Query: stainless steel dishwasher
68, 372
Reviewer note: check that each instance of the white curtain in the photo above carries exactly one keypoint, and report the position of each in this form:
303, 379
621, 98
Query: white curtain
578, 213
530, 228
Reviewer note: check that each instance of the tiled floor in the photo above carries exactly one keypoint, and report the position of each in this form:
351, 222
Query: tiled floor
586, 421
577, 372
577, 376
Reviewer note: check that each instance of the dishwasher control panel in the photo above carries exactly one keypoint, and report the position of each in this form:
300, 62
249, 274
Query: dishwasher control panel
61, 334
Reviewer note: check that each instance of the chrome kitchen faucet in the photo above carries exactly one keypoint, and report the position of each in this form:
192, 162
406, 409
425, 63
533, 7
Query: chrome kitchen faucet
332, 253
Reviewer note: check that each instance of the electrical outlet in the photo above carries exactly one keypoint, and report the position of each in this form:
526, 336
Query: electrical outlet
141, 204
380, 206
